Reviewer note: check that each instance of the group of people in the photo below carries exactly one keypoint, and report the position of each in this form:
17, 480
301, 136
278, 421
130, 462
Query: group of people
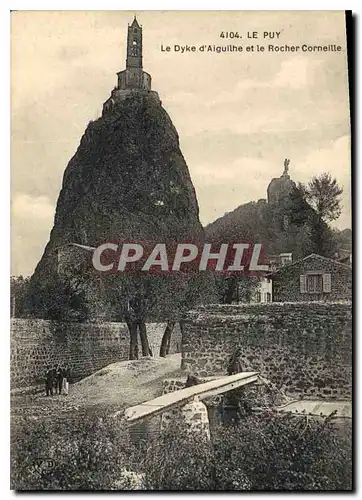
56, 380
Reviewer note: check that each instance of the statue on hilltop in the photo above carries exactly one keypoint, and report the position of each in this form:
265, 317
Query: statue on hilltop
286, 166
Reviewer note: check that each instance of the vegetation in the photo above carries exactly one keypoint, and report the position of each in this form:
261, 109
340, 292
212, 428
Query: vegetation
164, 298
323, 194
267, 452
312, 206
298, 224
58, 299
234, 287
18, 290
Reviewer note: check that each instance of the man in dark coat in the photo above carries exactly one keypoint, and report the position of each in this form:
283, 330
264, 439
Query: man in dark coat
233, 399
234, 365
60, 376
49, 381
192, 380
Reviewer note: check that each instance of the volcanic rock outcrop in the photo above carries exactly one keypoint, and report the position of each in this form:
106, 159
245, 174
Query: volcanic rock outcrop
128, 181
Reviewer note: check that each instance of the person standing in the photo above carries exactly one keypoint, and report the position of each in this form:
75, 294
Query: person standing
232, 399
234, 365
65, 380
54, 380
59, 379
49, 381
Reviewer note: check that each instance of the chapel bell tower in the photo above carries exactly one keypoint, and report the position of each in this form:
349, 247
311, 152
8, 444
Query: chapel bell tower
133, 77
134, 45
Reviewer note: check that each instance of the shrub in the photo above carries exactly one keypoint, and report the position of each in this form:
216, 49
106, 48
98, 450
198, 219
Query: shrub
88, 453
283, 452
178, 460
268, 451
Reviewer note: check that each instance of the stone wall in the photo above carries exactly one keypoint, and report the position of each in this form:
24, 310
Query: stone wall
84, 347
118, 96
305, 349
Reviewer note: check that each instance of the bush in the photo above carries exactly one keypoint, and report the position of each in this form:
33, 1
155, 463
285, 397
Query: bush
283, 452
178, 460
269, 451
88, 453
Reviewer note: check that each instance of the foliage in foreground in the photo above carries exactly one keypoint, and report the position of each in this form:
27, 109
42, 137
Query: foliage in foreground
267, 452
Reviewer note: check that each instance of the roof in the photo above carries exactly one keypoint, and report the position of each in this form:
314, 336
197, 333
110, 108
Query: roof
312, 256
85, 247
135, 22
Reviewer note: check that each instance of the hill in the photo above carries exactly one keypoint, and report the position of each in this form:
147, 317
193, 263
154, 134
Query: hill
128, 180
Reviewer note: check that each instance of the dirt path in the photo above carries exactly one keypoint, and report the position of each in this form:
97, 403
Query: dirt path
127, 382
116, 386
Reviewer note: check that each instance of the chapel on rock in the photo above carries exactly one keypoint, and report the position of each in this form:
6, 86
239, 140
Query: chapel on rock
133, 78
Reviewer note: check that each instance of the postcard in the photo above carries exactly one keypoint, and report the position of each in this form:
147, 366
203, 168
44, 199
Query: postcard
181, 283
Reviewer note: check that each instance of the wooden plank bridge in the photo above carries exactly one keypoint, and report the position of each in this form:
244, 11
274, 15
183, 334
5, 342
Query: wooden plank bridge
183, 396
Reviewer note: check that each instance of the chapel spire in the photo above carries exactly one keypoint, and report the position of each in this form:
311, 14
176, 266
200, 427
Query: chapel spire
133, 77
134, 45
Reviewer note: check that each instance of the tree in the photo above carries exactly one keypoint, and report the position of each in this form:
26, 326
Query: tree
323, 194
233, 287
130, 294
298, 209
161, 298
58, 299
179, 293
18, 289
142, 297
310, 216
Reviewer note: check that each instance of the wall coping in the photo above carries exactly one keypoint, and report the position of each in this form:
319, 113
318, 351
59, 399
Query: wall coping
245, 305
242, 312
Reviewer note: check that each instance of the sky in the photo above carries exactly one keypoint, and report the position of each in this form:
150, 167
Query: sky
238, 114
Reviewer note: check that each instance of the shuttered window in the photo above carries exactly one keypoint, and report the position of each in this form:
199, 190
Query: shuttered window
315, 283
327, 283
303, 283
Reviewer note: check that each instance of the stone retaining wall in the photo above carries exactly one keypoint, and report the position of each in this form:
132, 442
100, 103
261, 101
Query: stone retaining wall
84, 347
305, 348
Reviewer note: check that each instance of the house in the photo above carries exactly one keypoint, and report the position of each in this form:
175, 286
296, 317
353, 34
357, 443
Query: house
263, 292
280, 260
313, 278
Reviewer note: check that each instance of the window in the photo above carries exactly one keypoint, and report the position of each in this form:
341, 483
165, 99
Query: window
315, 283
258, 296
134, 48
286, 258
268, 297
